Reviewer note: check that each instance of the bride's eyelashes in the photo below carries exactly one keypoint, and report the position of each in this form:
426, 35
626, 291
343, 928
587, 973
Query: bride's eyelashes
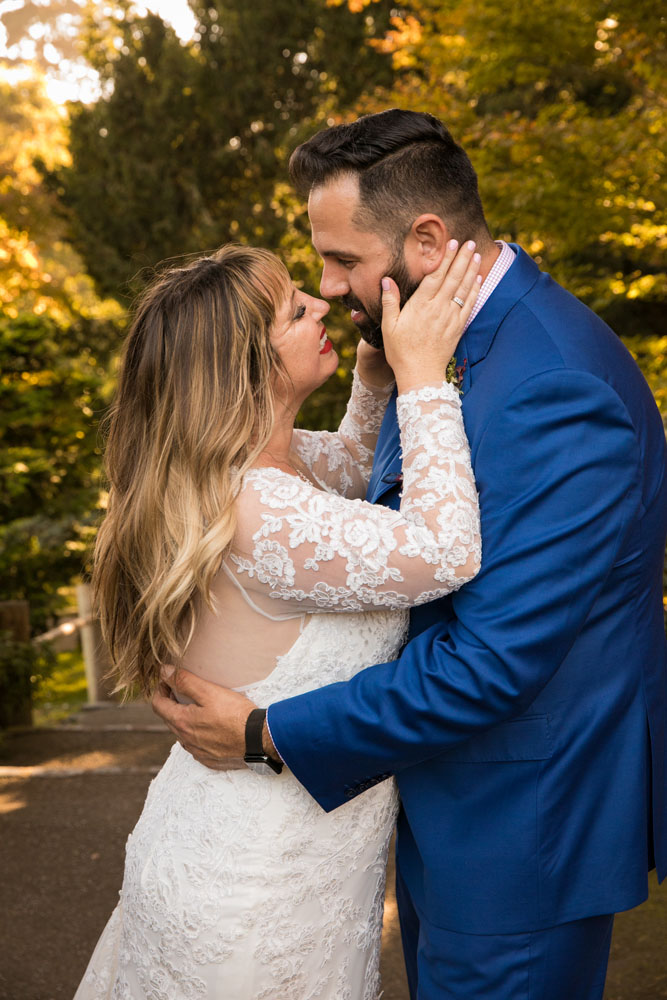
300, 311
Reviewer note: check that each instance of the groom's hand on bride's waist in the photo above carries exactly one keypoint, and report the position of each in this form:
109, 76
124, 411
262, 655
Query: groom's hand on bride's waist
212, 726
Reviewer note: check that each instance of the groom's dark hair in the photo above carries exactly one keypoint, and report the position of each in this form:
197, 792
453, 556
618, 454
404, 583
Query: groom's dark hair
407, 163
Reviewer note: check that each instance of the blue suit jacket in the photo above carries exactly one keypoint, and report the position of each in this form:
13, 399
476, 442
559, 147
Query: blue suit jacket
525, 718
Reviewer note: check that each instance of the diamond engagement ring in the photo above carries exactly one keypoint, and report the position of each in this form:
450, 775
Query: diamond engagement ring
458, 301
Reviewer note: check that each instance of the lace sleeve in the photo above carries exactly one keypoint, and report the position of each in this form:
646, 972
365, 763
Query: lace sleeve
299, 544
343, 459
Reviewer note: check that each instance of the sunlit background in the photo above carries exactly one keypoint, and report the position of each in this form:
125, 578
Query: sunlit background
44, 35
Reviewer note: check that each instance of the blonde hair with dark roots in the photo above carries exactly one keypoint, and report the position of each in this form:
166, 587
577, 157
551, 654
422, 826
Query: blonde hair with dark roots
193, 410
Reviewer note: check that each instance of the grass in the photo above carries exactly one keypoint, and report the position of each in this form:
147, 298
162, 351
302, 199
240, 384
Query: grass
63, 692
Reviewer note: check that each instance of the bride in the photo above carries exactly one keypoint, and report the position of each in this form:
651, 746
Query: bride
241, 548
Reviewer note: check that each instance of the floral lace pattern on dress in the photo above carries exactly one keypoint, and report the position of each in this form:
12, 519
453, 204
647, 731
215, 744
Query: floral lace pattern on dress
342, 461
369, 556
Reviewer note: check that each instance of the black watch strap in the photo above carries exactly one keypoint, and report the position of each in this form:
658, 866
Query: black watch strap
253, 732
254, 750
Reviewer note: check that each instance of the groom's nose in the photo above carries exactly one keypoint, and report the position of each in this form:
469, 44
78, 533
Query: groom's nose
333, 282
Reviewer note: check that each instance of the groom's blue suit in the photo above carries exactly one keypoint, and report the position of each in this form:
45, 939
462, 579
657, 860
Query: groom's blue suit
525, 718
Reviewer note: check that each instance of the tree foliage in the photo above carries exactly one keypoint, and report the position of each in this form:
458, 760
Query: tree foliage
563, 112
56, 337
183, 151
52, 393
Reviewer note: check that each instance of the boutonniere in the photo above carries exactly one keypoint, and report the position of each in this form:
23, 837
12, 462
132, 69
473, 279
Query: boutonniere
454, 373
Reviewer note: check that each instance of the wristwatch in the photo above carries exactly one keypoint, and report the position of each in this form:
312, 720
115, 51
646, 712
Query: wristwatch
255, 758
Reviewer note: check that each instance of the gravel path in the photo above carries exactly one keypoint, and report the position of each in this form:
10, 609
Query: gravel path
69, 797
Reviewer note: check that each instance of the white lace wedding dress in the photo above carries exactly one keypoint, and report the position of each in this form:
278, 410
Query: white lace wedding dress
238, 886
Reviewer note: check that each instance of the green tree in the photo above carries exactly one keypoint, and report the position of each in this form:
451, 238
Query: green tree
55, 339
52, 393
184, 149
563, 112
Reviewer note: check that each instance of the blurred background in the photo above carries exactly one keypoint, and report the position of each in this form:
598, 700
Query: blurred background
132, 133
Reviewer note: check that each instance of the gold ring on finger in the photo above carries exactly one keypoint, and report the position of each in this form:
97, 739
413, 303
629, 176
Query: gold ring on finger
459, 301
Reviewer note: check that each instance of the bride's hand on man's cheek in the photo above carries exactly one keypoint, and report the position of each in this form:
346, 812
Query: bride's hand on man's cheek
211, 726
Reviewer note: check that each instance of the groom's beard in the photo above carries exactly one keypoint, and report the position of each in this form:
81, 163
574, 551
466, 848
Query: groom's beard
371, 330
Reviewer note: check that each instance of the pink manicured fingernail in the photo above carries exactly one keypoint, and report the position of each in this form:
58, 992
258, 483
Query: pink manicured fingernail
452, 245
477, 257
386, 284
471, 244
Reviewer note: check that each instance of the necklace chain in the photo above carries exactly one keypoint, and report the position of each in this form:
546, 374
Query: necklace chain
294, 469
301, 475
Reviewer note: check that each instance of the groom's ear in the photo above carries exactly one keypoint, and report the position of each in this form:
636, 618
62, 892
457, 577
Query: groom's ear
426, 242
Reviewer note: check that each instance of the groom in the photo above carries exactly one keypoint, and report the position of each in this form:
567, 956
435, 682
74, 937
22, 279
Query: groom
525, 718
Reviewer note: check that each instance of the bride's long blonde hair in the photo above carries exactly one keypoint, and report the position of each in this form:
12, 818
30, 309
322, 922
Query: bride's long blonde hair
193, 410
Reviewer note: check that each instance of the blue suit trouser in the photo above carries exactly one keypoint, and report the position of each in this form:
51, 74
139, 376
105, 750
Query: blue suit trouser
568, 961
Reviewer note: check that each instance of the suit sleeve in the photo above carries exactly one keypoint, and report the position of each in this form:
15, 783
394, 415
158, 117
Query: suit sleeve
558, 479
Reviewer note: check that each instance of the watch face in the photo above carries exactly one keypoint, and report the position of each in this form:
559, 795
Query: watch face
259, 767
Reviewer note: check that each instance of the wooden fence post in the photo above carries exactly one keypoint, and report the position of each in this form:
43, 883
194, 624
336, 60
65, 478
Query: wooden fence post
95, 655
